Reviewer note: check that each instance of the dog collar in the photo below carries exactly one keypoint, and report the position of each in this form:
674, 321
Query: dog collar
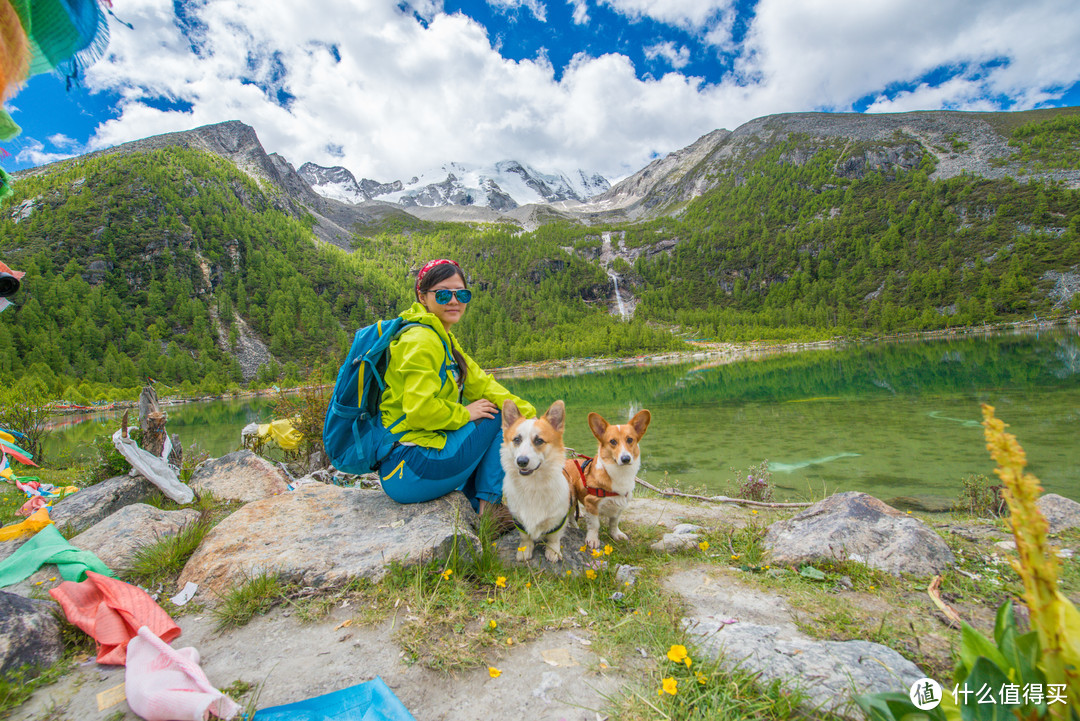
562, 523
581, 468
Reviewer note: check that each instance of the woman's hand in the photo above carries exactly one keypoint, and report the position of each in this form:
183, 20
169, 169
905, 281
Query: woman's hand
482, 408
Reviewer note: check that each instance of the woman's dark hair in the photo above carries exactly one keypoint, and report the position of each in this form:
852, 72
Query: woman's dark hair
437, 275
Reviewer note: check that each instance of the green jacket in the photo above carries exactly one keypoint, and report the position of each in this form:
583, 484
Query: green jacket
415, 392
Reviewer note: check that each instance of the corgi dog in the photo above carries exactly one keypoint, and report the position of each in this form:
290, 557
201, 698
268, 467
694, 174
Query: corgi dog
534, 487
604, 485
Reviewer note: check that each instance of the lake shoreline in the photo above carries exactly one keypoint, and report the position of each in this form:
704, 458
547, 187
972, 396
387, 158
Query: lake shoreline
718, 353
726, 352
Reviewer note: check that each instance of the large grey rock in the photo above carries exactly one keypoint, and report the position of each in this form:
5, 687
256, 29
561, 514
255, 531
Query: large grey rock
1061, 513
746, 626
858, 527
29, 633
323, 535
94, 503
240, 476
828, 672
119, 537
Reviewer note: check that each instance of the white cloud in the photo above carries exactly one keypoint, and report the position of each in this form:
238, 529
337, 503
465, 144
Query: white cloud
688, 14
581, 11
398, 96
536, 7
62, 141
34, 154
676, 57
830, 53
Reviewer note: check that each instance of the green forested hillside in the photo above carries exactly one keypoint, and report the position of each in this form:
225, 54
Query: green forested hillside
131, 258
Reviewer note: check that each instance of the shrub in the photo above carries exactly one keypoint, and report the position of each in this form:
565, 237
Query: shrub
758, 485
979, 496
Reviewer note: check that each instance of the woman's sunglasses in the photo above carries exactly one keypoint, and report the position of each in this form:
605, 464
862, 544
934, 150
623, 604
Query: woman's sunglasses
442, 296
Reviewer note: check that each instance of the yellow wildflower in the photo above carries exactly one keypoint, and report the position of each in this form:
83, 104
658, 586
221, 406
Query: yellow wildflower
528, 584
494, 672
735, 557
1053, 615
568, 572
492, 624
670, 686
608, 549
501, 581
677, 653
521, 549
704, 545
590, 574
583, 548
753, 512
597, 553
447, 573
701, 678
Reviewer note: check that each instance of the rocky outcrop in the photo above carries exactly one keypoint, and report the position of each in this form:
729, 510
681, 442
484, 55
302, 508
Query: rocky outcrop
117, 539
745, 627
240, 476
94, 503
323, 535
1061, 513
858, 527
29, 634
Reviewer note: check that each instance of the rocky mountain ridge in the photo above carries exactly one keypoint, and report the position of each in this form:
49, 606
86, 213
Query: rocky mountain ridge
960, 143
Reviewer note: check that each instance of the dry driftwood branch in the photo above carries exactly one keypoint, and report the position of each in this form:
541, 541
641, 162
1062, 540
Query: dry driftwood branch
719, 499
934, 591
671, 492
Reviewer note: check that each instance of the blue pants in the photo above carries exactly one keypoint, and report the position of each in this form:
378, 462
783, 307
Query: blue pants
469, 462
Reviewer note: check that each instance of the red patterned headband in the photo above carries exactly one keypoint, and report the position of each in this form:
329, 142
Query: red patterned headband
431, 264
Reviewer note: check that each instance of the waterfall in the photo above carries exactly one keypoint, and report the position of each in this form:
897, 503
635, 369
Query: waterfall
618, 298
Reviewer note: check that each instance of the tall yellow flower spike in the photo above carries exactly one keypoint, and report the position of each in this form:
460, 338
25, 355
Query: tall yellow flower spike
1052, 615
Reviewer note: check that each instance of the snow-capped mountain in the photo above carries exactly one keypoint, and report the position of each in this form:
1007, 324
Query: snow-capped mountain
506, 185
338, 183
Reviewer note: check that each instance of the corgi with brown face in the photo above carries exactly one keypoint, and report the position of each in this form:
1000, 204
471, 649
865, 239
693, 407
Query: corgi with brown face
534, 488
604, 485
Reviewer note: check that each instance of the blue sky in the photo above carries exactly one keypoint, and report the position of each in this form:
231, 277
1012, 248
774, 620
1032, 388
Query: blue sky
390, 88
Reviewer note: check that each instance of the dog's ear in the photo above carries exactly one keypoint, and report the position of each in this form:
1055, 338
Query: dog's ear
556, 416
510, 413
597, 425
640, 421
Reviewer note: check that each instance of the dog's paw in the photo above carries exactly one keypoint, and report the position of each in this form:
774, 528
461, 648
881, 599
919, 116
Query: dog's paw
592, 540
619, 535
553, 554
524, 555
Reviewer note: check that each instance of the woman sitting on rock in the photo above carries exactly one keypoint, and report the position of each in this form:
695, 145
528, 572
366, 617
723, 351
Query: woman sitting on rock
453, 427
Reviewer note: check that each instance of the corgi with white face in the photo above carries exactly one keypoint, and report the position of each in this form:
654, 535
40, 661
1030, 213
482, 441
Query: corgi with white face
534, 488
604, 485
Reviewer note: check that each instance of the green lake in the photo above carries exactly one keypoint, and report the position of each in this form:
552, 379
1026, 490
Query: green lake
890, 419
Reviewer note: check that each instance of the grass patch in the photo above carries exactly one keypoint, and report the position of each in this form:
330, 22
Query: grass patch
19, 685
163, 560
256, 596
705, 691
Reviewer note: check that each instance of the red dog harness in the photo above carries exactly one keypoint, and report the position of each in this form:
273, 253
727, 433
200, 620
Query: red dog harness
581, 468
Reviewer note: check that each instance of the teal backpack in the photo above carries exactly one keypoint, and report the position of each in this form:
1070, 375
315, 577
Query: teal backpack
353, 434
